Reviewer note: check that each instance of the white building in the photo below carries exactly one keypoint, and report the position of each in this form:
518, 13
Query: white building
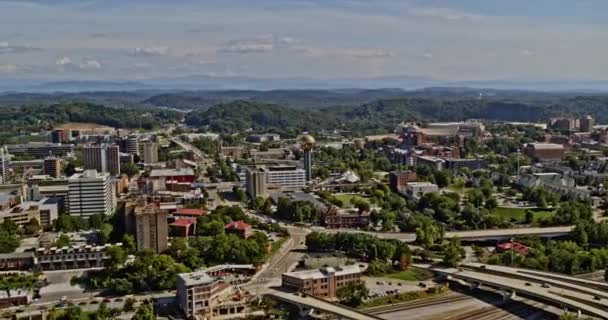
415, 190
259, 179
90, 193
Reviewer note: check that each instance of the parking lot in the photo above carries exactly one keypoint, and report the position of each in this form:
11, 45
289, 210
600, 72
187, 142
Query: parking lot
379, 287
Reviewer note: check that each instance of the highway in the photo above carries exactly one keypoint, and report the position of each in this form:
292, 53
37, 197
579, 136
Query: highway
575, 301
481, 235
319, 304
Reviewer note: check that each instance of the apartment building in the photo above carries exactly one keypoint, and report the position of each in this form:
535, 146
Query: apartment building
90, 193
150, 152
103, 158
52, 167
151, 228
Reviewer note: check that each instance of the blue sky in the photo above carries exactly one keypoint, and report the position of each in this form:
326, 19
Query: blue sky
441, 39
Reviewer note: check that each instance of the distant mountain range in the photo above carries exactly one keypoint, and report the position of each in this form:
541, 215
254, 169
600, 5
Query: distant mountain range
200, 82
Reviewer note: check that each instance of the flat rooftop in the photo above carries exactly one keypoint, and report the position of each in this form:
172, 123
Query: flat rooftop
326, 271
196, 278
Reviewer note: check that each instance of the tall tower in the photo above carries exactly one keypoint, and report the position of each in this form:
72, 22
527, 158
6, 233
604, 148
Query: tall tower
307, 142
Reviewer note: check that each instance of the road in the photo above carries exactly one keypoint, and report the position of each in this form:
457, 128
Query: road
282, 261
563, 297
489, 234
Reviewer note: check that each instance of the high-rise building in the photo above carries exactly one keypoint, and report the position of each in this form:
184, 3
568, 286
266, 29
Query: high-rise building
307, 142
60, 136
151, 228
150, 152
52, 167
586, 124
103, 158
259, 179
131, 145
5, 163
90, 193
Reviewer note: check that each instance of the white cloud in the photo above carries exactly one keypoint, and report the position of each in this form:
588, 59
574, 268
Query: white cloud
444, 14
150, 51
259, 44
66, 63
90, 64
427, 55
8, 68
369, 53
6, 48
527, 52
63, 61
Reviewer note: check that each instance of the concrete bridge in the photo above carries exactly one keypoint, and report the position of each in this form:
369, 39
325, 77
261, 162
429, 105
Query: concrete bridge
562, 291
311, 302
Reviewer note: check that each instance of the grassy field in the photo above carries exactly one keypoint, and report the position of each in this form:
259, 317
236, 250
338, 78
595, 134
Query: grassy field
519, 214
412, 274
346, 199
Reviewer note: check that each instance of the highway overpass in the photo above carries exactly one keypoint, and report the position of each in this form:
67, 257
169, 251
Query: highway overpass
319, 304
556, 292
471, 235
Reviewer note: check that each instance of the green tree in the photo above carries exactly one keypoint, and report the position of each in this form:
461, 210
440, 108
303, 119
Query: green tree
118, 256
63, 241
452, 254
130, 169
144, 312
353, 294
128, 243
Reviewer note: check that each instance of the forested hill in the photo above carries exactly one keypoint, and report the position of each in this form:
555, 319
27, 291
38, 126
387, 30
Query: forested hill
297, 99
241, 115
44, 117
383, 115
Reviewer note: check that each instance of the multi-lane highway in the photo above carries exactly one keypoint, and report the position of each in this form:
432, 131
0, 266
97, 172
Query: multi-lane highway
564, 291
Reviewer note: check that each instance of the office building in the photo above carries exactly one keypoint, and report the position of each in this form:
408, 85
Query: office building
399, 179
90, 193
150, 152
586, 124
545, 151
52, 167
198, 292
75, 257
323, 282
5, 165
61, 136
433, 162
259, 179
151, 228
40, 150
103, 158
471, 164
415, 190
130, 145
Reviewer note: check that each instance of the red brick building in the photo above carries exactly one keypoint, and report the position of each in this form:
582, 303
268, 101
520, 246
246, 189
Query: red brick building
240, 228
